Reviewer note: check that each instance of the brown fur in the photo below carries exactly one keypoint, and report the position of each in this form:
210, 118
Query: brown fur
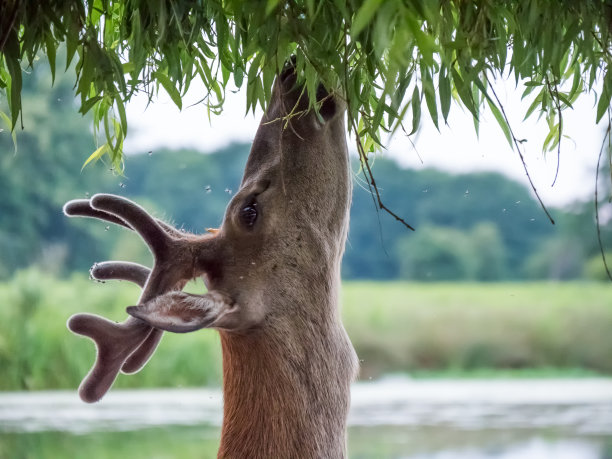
286, 382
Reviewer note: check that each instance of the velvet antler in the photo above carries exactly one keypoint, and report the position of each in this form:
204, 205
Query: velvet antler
127, 346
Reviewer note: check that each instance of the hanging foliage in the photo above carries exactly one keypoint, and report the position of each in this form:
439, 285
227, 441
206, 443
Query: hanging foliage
390, 60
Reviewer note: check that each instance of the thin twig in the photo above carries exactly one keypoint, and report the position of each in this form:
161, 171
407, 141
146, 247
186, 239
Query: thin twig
604, 49
412, 143
597, 222
370, 176
363, 159
518, 149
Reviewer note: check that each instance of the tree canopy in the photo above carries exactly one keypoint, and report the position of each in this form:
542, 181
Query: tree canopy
385, 58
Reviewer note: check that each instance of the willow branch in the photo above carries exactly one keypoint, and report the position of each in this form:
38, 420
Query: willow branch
518, 149
597, 222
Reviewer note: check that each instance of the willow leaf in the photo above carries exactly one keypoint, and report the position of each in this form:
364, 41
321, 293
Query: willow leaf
416, 110
501, 121
96, 155
50, 48
444, 88
604, 98
122, 116
364, 15
170, 88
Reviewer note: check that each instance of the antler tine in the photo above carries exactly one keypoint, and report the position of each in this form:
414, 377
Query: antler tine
138, 274
82, 208
136, 217
143, 353
123, 270
114, 343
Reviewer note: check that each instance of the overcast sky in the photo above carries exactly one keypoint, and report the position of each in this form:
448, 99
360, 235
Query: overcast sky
456, 148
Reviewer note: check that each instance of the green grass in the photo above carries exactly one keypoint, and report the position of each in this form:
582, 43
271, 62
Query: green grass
427, 330
464, 328
165, 442
364, 442
506, 373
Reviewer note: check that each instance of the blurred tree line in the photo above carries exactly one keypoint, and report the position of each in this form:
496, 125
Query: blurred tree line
469, 227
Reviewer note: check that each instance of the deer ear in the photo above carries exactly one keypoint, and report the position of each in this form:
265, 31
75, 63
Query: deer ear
287, 75
181, 312
328, 104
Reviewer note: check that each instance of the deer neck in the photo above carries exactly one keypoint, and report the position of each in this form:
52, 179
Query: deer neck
286, 387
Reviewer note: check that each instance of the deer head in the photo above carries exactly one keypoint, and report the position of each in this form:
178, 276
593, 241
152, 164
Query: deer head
272, 273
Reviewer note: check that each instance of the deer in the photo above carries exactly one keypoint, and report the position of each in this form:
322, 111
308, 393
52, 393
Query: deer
272, 272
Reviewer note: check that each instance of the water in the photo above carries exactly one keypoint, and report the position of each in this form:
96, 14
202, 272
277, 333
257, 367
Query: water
391, 418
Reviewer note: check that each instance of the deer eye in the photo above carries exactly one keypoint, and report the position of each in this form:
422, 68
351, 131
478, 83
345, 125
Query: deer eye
248, 215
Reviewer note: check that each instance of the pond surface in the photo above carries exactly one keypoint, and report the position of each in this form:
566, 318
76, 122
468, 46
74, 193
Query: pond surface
391, 418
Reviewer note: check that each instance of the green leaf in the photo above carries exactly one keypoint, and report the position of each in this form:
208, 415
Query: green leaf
96, 155
268, 81
50, 47
378, 113
400, 91
501, 121
238, 76
310, 7
169, 87
430, 94
204, 71
271, 6
563, 98
416, 110
122, 117
11, 59
86, 106
426, 43
15, 97
207, 51
72, 43
225, 73
552, 139
444, 88
364, 16
464, 92
604, 98
535, 104
118, 145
